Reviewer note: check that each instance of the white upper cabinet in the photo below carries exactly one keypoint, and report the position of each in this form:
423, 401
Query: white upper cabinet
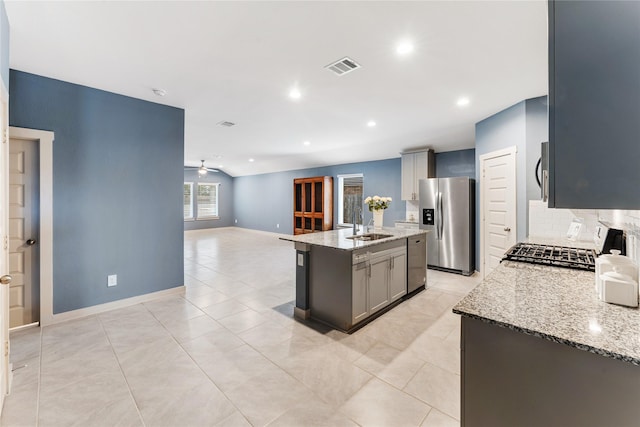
416, 165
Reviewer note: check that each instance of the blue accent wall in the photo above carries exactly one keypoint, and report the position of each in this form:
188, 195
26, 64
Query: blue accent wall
524, 125
117, 188
225, 199
456, 163
262, 201
502, 130
4, 45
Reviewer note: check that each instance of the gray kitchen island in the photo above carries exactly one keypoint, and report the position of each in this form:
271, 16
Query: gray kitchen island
538, 348
345, 280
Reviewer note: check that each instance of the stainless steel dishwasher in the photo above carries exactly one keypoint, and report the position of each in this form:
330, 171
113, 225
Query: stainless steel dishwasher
416, 262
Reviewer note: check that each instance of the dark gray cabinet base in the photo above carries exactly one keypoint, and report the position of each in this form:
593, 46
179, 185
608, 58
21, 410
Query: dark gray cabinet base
513, 379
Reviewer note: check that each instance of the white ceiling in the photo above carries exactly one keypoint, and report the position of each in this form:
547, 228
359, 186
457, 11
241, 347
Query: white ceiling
237, 61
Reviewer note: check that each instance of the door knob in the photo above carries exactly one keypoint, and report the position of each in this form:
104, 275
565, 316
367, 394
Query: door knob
30, 242
507, 229
6, 279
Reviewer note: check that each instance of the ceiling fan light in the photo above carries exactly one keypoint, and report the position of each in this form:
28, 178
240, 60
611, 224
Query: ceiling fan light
202, 170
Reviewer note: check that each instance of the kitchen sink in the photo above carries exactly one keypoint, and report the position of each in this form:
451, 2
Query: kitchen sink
369, 236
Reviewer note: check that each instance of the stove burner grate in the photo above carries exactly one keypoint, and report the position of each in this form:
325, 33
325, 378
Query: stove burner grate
557, 256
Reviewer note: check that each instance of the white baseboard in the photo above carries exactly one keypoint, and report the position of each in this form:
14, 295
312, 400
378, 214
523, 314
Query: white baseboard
232, 227
23, 327
101, 308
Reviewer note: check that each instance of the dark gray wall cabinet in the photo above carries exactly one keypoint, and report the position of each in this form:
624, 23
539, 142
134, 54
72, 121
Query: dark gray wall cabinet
594, 104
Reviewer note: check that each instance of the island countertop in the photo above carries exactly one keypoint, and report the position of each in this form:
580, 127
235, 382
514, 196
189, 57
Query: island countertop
557, 304
337, 239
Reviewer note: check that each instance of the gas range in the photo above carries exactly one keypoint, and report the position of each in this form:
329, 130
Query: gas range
552, 255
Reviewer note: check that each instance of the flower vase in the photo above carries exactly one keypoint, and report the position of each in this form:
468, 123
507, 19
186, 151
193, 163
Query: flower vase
378, 217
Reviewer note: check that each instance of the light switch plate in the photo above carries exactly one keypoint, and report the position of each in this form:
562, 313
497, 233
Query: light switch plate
300, 260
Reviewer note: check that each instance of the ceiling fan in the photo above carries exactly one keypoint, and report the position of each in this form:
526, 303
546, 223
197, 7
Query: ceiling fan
202, 169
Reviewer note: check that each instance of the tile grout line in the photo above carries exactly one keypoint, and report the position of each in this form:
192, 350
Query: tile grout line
263, 355
135, 403
196, 363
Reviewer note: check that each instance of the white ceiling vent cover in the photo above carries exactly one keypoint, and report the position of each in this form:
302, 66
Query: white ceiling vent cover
226, 124
343, 66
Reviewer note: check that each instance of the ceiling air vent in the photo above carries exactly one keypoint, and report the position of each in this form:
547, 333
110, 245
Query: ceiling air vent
226, 124
343, 66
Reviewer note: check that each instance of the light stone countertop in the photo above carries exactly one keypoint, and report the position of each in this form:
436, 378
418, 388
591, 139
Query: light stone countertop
337, 239
557, 304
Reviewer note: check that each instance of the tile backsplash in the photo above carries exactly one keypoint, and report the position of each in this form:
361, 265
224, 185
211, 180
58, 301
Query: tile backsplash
554, 223
413, 206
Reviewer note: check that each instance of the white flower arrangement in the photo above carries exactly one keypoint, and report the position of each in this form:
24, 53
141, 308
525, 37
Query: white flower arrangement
376, 202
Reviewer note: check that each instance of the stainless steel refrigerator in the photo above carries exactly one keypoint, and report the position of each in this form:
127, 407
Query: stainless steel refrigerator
447, 209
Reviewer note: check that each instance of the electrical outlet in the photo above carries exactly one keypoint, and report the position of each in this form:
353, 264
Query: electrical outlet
277, 225
112, 280
236, 221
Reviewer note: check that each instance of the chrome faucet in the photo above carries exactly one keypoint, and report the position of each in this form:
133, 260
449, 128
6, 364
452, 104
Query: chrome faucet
354, 221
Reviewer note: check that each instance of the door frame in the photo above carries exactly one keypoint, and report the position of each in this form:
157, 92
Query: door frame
44, 139
509, 151
6, 375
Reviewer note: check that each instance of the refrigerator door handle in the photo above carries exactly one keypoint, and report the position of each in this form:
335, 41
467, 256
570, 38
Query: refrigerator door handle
441, 218
439, 215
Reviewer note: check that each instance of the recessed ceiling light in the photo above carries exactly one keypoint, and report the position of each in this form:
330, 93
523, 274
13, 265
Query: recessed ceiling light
295, 93
307, 143
371, 123
252, 160
405, 47
159, 92
463, 102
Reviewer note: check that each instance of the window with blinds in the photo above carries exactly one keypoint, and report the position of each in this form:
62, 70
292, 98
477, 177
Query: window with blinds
188, 200
350, 198
207, 200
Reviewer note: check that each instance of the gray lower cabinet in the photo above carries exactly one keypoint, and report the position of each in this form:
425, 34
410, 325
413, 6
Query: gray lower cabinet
348, 287
398, 277
360, 283
378, 281
509, 378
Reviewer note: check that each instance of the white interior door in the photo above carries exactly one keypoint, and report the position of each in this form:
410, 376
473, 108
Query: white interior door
5, 278
498, 206
24, 307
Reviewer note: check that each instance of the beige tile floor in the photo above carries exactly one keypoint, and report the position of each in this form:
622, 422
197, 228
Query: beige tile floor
229, 353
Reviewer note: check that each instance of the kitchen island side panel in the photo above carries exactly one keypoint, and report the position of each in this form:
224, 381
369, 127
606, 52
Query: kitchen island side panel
330, 286
510, 378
